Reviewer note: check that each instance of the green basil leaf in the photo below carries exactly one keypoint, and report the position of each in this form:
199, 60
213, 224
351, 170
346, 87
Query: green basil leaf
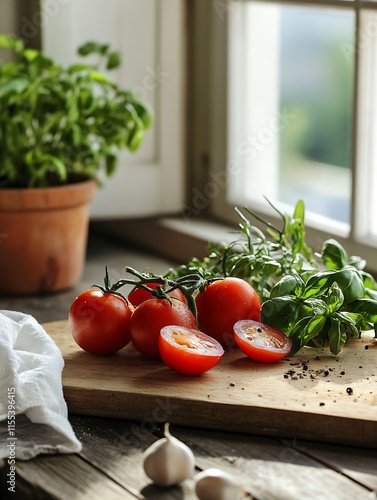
280, 312
372, 294
333, 254
98, 77
73, 112
57, 163
334, 298
103, 49
290, 284
368, 280
77, 68
31, 54
318, 284
295, 334
242, 266
366, 307
348, 279
312, 328
145, 113
357, 262
114, 60
10, 42
318, 306
337, 336
14, 86
111, 162
76, 134
135, 139
89, 48
355, 323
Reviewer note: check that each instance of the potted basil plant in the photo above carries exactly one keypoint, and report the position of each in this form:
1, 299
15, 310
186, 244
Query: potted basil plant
61, 130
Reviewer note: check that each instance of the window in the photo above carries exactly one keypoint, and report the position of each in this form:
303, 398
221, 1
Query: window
293, 114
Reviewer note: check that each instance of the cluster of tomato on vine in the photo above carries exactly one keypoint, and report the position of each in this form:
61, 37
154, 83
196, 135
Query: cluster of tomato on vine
188, 323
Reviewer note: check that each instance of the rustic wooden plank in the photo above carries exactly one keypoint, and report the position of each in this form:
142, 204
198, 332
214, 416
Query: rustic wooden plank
238, 394
359, 464
116, 448
64, 477
270, 470
22, 491
112, 459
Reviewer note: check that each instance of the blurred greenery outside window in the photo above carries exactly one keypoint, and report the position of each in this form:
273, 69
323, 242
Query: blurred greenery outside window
297, 117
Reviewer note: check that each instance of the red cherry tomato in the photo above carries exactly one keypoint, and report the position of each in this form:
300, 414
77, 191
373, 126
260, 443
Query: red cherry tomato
139, 295
261, 342
152, 315
222, 303
100, 322
188, 351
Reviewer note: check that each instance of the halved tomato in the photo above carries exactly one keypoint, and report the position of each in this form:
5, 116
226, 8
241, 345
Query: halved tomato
261, 342
188, 351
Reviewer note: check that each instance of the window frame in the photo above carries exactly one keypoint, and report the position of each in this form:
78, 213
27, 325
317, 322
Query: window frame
206, 194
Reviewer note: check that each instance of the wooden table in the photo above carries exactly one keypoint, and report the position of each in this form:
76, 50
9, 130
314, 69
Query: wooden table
269, 465
110, 465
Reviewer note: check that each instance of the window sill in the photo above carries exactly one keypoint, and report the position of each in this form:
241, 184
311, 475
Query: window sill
169, 237
178, 240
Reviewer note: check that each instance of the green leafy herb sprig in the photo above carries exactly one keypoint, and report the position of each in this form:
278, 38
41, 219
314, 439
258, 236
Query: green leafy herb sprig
59, 124
316, 299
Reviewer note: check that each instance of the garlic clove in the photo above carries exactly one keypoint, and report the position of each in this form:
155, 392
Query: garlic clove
168, 461
216, 484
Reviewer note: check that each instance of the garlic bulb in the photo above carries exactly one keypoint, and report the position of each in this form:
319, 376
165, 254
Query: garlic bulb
168, 461
215, 484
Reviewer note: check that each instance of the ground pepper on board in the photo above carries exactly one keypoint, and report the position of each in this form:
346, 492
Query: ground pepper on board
301, 370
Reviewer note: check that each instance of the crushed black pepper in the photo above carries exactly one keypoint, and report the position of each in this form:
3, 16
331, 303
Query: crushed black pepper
302, 370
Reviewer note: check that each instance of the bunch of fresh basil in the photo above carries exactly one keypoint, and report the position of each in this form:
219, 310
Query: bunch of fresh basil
328, 307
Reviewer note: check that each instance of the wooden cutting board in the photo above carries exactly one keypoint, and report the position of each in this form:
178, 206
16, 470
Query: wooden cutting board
314, 395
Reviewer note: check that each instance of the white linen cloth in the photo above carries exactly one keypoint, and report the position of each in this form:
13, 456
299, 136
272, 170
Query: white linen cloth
31, 367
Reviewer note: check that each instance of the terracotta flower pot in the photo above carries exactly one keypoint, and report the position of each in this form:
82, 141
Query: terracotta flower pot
43, 237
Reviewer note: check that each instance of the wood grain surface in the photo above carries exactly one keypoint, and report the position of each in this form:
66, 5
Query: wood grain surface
110, 466
313, 395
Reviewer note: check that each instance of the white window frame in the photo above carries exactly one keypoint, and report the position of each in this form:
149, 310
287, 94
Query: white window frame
213, 183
